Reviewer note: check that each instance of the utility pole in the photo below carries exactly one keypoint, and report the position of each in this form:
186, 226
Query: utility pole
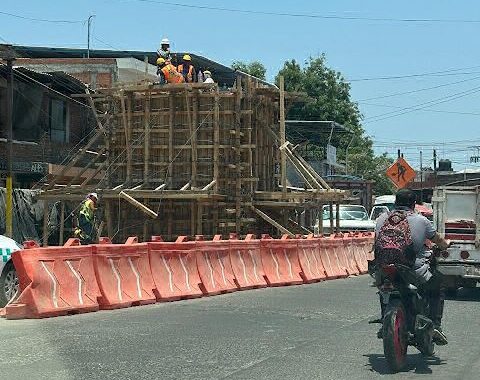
89, 23
9, 57
435, 166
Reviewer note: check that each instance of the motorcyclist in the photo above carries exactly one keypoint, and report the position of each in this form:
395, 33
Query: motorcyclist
421, 229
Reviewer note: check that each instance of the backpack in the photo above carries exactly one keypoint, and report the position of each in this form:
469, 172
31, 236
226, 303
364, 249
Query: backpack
393, 243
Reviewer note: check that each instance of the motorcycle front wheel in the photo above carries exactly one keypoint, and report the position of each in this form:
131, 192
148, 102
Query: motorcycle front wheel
395, 336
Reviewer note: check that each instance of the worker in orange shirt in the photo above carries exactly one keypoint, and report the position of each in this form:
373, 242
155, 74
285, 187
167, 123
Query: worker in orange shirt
167, 72
187, 69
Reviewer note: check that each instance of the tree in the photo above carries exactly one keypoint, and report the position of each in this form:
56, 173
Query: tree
329, 99
255, 68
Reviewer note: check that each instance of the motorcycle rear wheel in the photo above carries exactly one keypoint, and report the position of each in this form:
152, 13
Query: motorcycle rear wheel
395, 333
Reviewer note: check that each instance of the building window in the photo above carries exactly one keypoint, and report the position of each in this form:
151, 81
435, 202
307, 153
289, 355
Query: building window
58, 121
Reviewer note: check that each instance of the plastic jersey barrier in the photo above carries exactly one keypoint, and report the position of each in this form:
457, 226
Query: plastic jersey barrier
310, 259
341, 253
174, 269
359, 242
54, 281
368, 246
349, 254
123, 274
246, 262
330, 260
280, 261
214, 266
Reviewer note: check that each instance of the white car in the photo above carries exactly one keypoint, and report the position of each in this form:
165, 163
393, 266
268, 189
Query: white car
352, 218
8, 275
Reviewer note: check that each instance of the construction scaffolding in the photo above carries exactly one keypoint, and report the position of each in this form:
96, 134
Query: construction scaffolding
191, 159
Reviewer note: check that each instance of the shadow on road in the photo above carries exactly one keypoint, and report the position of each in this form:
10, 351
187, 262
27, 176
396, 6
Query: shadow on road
416, 363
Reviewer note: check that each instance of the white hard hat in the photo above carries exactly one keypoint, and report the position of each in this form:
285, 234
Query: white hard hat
93, 195
165, 41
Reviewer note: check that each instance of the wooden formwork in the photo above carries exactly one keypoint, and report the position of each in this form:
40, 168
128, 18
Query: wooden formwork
192, 159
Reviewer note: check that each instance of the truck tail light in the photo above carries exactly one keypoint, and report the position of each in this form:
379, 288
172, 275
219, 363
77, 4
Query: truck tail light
445, 254
464, 255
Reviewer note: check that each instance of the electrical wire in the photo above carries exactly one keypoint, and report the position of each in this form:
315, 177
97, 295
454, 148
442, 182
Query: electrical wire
310, 15
42, 19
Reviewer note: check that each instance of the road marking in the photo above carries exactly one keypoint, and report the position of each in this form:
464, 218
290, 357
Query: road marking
134, 270
117, 276
169, 273
54, 284
79, 279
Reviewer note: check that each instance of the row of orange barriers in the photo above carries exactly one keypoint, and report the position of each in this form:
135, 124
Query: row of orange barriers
77, 279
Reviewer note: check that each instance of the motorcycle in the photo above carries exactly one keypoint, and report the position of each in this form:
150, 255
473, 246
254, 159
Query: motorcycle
405, 311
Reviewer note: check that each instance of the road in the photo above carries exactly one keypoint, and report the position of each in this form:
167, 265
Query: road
316, 331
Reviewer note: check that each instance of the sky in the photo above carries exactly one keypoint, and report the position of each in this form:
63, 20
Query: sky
429, 46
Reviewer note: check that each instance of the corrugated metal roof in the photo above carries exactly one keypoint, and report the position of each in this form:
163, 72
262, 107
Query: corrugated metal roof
224, 75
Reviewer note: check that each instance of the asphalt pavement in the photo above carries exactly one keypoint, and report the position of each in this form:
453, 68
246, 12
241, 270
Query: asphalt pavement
316, 331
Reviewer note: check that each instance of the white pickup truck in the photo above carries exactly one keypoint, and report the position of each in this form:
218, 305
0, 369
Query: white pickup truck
456, 213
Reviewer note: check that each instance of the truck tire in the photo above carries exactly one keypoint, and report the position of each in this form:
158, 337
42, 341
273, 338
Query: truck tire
8, 284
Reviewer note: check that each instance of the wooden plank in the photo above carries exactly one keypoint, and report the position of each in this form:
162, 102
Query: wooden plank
330, 206
126, 128
238, 154
146, 140
210, 185
62, 223
138, 205
337, 217
94, 174
216, 137
45, 223
86, 167
109, 217
271, 221
283, 157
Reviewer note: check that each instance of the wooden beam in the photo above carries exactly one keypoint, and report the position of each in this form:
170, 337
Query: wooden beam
271, 221
161, 187
86, 167
62, 223
283, 157
126, 127
146, 140
210, 185
171, 119
45, 223
138, 205
216, 137
186, 186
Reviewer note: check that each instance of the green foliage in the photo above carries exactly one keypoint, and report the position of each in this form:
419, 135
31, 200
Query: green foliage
329, 99
254, 68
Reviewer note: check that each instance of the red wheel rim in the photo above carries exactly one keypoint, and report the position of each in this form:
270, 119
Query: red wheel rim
399, 335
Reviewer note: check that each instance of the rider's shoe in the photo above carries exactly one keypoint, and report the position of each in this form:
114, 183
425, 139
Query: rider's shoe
439, 337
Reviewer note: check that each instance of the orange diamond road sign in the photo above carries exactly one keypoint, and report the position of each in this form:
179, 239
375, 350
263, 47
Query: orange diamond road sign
400, 173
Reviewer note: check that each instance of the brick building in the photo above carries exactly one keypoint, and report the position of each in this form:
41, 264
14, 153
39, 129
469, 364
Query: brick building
47, 123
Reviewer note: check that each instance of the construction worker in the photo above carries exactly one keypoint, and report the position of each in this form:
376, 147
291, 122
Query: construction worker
164, 50
86, 219
208, 77
187, 70
167, 72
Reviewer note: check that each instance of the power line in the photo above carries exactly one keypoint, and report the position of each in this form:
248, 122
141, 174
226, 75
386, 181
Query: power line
414, 108
433, 73
418, 90
426, 110
311, 16
42, 19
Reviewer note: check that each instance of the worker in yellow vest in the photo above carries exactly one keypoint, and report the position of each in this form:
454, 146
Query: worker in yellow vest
167, 72
86, 219
187, 69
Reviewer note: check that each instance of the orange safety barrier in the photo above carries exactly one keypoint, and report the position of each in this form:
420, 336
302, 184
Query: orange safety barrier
331, 263
309, 256
214, 266
123, 274
368, 246
358, 245
54, 281
348, 254
280, 261
246, 262
174, 269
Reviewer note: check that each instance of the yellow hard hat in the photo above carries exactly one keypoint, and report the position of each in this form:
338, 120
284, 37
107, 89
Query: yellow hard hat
160, 61
207, 72
186, 57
